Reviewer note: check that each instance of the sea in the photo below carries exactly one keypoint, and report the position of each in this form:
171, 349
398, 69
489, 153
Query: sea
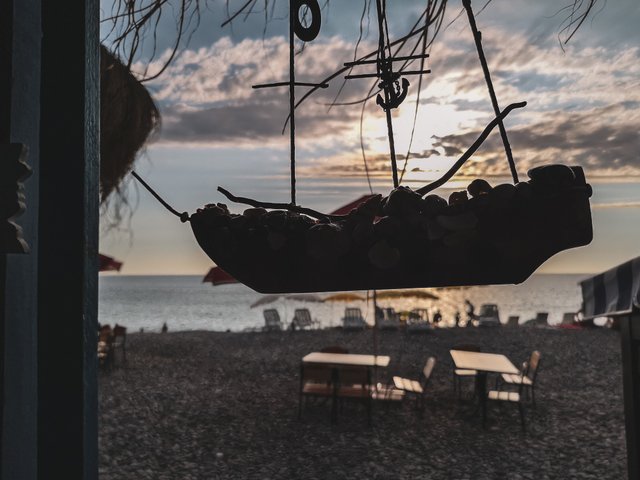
185, 303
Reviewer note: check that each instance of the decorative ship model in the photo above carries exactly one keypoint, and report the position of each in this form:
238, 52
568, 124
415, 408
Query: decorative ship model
410, 238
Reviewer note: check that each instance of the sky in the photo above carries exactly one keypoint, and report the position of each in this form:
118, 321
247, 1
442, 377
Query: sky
583, 109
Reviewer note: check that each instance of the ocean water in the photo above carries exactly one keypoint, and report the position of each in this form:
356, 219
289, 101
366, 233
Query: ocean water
185, 303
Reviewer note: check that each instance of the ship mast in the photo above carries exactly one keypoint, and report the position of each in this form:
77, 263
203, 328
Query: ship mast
306, 33
394, 88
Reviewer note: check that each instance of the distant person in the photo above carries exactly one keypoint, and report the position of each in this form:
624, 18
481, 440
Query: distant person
470, 310
457, 318
437, 317
165, 329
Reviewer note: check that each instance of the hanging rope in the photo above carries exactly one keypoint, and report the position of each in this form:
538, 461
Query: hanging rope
184, 216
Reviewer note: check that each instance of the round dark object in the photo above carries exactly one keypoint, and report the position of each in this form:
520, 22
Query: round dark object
432, 204
308, 33
553, 175
458, 198
478, 187
402, 201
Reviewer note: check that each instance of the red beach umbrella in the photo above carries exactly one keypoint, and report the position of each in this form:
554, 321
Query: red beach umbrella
345, 209
109, 264
217, 276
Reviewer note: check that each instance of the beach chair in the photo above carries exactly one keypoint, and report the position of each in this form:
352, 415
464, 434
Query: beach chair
513, 321
120, 341
302, 319
316, 381
509, 397
459, 373
390, 320
272, 321
541, 320
527, 376
353, 319
568, 318
417, 388
418, 321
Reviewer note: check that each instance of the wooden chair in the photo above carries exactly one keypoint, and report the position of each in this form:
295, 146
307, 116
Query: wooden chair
302, 319
272, 321
334, 349
105, 347
417, 388
120, 341
459, 373
527, 376
315, 381
510, 397
354, 384
353, 319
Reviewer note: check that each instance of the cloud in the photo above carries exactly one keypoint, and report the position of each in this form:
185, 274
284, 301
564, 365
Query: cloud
583, 105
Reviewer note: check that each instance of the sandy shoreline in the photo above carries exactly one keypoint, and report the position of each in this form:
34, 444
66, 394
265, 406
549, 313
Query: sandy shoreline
210, 405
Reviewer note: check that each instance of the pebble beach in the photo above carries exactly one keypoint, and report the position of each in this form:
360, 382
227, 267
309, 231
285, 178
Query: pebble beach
223, 405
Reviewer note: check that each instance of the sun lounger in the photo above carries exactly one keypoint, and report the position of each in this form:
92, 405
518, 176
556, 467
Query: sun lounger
513, 321
353, 319
390, 320
541, 320
272, 321
418, 321
302, 319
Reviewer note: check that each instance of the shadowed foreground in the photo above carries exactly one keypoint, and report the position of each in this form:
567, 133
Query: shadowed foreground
209, 405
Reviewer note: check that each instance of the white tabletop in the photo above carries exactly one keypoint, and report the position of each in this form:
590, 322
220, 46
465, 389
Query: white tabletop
484, 362
347, 359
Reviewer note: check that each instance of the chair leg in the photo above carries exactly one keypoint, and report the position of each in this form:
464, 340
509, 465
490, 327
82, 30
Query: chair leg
521, 409
533, 395
300, 407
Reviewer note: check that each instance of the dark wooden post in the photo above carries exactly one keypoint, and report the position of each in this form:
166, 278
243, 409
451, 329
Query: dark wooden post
20, 36
630, 338
68, 228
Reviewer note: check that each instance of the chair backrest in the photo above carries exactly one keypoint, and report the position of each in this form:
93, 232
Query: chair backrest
513, 321
316, 374
467, 347
534, 363
352, 313
427, 371
271, 317
119, 331
334, 349
354, 376
390, 314
541, 318
302, 317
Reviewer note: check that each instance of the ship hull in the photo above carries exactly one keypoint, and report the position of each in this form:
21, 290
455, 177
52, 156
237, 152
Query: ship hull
498, 238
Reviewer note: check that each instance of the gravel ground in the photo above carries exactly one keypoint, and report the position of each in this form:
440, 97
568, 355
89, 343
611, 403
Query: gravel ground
213, 405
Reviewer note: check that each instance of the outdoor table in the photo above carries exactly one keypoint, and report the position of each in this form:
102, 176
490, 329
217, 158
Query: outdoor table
337, 360
483, 363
